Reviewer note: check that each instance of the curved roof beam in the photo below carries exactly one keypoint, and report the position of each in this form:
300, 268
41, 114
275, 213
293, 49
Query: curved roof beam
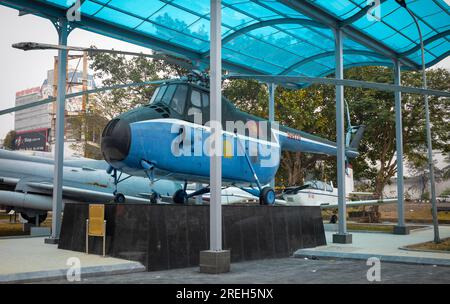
314, 12
425, 42
261, 24
328, 54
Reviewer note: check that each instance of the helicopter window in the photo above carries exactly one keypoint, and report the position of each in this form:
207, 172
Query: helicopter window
196, 99
192, 112
155, 93
160, 93
168, 94
179, 99
320, 186
205, 99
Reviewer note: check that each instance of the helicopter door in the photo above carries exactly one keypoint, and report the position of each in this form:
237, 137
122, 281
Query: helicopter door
205, 107
196, 112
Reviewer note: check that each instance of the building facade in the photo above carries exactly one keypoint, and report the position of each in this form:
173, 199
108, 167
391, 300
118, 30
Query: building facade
32, 118
31, 123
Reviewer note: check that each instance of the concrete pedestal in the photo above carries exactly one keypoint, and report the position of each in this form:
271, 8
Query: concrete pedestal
214, 261
342, 238
401, 230
172, 236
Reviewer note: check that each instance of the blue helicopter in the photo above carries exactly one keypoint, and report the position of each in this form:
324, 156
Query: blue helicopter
169, 138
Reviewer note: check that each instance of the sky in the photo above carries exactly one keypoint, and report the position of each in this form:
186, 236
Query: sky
21, 70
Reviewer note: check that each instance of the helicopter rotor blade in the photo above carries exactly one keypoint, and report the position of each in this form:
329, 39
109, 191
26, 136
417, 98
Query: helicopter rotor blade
295, 81
97, 90
27, 46
184, 63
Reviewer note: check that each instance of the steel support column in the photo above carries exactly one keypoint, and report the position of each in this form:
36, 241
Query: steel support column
63, 32
216, 127
272, 87
400, 228
437, 238
342, 236
215, 260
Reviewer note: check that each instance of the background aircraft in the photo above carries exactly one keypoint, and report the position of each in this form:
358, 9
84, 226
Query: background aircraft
26, 184
142, 141
319, 193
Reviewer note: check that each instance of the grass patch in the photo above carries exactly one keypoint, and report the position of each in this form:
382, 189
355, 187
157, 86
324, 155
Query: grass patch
368, 227
11, 229
14, 229
442, 246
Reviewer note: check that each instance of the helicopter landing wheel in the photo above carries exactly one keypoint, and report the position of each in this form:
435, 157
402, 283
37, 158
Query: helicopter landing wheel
180, 197
267, 196
119, 198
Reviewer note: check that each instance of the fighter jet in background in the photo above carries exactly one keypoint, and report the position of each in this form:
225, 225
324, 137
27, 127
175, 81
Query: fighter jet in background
26, 184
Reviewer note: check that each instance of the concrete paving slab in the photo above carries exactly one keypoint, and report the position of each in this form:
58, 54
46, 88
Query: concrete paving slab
30, 259
387, 247
284, 271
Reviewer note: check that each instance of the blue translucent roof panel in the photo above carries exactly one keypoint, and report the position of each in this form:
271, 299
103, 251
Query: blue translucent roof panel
268, 36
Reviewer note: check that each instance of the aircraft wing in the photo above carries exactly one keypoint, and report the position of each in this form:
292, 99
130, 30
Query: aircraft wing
373, 202
147, 196
83, 194
245, 197
10, 181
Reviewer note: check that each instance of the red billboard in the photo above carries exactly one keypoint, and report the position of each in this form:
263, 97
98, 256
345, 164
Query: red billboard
35, 140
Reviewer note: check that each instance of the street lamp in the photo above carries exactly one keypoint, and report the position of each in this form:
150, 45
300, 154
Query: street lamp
427, 127
31, 46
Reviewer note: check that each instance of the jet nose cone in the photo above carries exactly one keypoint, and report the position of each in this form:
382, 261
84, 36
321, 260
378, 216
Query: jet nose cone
116, 140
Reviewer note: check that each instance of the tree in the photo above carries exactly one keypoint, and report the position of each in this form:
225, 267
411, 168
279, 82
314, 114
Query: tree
113, 69
375, 109
8, 142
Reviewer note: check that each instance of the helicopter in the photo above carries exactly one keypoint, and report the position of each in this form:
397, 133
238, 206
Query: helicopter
168, 138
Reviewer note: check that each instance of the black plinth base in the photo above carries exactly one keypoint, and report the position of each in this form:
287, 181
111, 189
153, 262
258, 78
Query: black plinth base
342, 238
214, 262
401, 230
172, 236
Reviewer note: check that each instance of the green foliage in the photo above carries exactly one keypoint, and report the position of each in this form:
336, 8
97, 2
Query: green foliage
8, 142
446, 192
375, 109
425, 196
115, 69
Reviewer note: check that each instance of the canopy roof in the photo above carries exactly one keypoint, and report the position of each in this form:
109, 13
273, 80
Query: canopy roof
288, 37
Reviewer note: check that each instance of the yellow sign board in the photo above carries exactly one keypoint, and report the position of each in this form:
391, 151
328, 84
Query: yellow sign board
96, 220
227, 149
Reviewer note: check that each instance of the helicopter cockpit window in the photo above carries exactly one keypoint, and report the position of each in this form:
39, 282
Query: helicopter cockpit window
168, 94
320, 185
205, 99
196, 99
179, 99
160, 93
155, 93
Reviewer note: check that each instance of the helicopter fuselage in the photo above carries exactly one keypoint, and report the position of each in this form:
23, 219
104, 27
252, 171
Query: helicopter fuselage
169, 138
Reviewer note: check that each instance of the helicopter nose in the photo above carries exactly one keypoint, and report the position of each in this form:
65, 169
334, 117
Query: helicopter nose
116, 140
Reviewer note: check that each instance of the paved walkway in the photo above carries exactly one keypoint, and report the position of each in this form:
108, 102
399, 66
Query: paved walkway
284, 271
30, 259
385, 246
